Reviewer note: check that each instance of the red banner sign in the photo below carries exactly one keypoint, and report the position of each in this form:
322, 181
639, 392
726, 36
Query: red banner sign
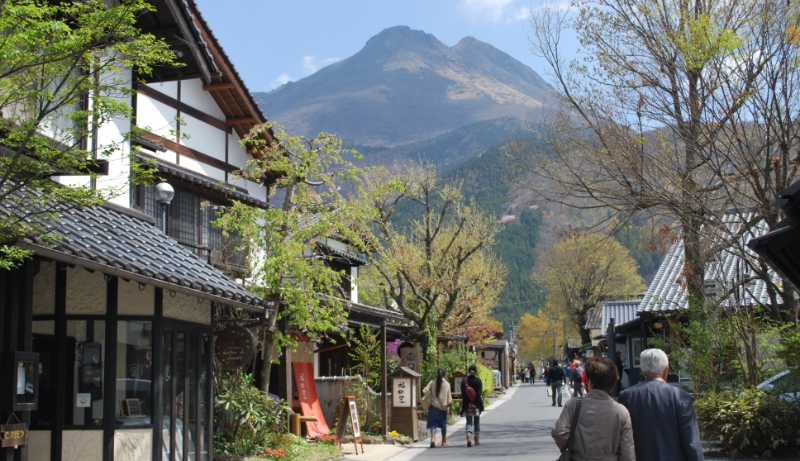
307, 394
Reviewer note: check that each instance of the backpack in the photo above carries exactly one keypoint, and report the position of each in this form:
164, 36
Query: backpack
471, 394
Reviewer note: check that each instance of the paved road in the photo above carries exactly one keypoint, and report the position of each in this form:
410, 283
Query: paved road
516, 430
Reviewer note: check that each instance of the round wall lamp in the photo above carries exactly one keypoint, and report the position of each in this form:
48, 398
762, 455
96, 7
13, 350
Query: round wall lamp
658, 325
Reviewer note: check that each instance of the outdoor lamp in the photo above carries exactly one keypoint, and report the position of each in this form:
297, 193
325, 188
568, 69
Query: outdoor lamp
163, 193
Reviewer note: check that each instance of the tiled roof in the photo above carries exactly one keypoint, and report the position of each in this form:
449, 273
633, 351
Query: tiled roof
112, 240
667, 293
622, 311
594, 318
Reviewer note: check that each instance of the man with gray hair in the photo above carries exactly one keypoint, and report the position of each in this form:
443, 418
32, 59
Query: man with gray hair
662, 416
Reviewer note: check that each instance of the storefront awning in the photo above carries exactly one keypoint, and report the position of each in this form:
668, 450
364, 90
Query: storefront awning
115, 241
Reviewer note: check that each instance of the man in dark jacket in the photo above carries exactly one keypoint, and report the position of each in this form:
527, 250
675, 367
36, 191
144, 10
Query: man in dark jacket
472, 408
556, 378
662, 416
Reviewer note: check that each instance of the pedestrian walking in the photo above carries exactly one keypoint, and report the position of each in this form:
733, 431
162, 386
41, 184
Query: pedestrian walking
663, 418
556, 378
532, 371
597, 427
526, 374
440, 400
577, 379
472, 407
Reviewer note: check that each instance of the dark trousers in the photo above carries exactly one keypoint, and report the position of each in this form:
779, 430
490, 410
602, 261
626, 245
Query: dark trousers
556, 387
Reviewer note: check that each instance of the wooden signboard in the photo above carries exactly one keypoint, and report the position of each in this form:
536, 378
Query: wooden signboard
16, 435
235, 347
350, 409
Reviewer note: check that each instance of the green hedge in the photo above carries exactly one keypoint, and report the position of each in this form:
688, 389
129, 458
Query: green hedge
750, 423
487, 381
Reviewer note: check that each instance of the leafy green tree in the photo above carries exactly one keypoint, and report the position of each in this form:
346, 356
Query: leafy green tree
582, 271
302, 288
438, 271
365, 350
65, 70
647, 106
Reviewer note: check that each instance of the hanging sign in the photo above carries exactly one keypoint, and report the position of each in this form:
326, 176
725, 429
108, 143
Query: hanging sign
350, 409
235, 347
14, 435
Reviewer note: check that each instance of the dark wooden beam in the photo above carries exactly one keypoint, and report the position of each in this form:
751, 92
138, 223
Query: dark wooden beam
384, 401
191, 153
219, 86
241, 120
184, 108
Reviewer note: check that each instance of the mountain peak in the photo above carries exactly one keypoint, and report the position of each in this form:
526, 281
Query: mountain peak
406, 85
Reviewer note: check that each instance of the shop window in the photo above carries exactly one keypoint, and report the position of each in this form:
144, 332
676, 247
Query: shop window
84, 384
185, 396
134, 400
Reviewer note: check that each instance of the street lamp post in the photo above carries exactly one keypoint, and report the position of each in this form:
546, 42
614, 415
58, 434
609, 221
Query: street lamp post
163, 193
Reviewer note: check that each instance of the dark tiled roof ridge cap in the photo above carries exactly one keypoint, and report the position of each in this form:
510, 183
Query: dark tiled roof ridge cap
133, 213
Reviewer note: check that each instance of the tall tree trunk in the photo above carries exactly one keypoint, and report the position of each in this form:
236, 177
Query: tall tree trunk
269, 351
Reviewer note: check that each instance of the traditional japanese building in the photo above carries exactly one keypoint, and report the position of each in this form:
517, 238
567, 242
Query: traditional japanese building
119, 313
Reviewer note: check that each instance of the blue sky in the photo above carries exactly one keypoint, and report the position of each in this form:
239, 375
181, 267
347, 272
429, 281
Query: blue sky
274, 41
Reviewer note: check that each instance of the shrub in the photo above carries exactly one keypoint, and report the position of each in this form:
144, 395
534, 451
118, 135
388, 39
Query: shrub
246, 416
487, 380
750, 423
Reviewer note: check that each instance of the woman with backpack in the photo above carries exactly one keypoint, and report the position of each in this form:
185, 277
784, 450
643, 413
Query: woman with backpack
438, 391
472, 404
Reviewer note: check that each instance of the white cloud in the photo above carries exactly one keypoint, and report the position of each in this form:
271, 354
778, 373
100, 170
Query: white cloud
494, 11
282, 79
311, 64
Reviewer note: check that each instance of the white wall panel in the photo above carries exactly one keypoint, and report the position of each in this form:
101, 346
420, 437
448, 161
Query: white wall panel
202, 168
257, 191
203, 137
155, 117
167, 88
237, 154
192, 94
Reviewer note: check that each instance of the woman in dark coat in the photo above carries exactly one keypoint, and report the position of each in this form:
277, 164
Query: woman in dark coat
472, 409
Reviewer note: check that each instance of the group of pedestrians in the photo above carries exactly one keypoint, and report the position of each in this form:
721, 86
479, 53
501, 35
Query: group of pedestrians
651, 421
441, 401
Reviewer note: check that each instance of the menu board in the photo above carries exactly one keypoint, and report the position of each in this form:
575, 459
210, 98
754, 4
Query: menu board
350, 409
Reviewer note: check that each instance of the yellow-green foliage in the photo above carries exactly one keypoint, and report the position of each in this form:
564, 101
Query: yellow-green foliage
487, 380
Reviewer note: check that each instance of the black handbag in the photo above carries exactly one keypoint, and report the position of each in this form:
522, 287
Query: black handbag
566, 453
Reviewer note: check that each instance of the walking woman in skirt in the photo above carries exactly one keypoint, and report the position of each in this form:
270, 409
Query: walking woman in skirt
441, 399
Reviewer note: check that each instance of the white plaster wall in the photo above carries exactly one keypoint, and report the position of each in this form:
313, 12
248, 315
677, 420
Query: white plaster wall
237, 154
133, 445
354, 284
202, 168
110, 138
44, 289
86, 292
133, 301
73, 181
39, 445
155, 117
192, 94
203, 137
167, 156
82, 446
184, 307
257, 190
167, 88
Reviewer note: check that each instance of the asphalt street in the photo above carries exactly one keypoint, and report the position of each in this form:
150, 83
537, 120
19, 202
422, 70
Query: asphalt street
517, 429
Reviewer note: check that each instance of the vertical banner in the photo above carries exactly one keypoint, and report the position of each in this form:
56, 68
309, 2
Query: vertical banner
307, 394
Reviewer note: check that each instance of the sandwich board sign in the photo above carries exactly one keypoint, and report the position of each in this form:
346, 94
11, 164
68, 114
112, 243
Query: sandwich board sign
349, 409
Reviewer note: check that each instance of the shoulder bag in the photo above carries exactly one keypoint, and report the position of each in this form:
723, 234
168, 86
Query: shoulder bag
426, 399
469, 390
566, 453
